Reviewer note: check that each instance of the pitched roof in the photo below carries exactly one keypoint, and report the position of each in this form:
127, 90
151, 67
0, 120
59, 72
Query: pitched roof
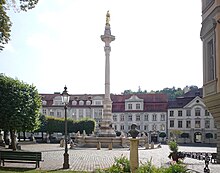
180, 102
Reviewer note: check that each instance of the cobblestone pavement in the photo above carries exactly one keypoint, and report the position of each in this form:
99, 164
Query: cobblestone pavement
89, 159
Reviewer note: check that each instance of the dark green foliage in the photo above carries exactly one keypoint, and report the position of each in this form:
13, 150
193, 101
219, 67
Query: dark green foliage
5, 23
176, 168
19, 106
149, 168
118, 133
173, 146
172, 93
51, 125
184, 135
122, 165
162, 135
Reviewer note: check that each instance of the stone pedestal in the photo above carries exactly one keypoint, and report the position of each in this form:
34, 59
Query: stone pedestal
152, 145
134, 161
110, 146
99, 146
146, 145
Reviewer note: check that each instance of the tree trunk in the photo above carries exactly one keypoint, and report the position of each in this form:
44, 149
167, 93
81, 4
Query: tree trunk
13, 140
24, 135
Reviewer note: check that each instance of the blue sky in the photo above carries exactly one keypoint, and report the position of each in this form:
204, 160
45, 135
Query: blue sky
58, 43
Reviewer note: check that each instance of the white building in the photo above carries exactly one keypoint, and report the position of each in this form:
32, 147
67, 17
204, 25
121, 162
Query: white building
189, 115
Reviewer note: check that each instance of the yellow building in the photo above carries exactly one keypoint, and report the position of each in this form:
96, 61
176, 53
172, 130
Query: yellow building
210, 35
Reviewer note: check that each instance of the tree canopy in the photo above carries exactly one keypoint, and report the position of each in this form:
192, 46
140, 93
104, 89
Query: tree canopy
19, 105
172, 93
5, 22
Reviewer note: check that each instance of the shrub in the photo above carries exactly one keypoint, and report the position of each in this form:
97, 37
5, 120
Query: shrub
120, 165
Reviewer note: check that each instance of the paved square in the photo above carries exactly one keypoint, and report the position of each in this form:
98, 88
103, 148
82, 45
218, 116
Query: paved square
89, 159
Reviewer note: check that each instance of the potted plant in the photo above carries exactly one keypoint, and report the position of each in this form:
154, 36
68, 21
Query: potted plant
174, 148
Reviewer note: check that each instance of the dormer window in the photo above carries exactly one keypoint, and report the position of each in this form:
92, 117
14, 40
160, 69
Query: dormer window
44, 102
81, 102
97, 102
74, 102
88, 102
134, 103
57, 101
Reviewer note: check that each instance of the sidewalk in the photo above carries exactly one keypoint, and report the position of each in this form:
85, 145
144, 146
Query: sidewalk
89, 159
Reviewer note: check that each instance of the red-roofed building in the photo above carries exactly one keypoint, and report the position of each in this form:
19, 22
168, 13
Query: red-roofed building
148, 111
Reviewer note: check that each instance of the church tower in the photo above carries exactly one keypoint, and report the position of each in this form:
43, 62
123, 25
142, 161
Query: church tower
210, 36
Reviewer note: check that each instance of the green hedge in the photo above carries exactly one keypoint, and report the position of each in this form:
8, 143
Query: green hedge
51, 125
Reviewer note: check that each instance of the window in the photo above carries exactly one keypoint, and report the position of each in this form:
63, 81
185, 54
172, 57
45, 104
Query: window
130, 106
44, 111
74, 102
206, 113
162, 127
180, 113
188, 124
146, 117
207, 124
138, 127
211, 63
154, 127
88, 113
81, 102
97, 102
197, 112
162, 117
138, 106
100, 112
146, 127
122, 117
44, 102
188, 112
115, 127
114, 117
180, 124
122, 127
171, 113
130, 117
129, 127
154, 117
59, 114
88, 102
80, 113
138, 117
171, 123
197, 124
51, 113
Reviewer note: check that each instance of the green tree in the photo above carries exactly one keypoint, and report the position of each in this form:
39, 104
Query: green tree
19, 106
162, 135
5, 22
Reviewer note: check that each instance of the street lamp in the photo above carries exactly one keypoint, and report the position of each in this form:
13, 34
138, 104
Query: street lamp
65, 99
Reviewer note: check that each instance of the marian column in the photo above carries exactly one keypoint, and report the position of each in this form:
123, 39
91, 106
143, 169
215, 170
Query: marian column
105, 129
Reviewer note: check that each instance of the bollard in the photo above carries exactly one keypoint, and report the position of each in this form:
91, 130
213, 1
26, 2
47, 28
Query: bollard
207, 159
99, 146
110, 146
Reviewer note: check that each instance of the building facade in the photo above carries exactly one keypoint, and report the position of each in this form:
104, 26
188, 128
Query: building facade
153, 113
189, 115
210, 36
147, 111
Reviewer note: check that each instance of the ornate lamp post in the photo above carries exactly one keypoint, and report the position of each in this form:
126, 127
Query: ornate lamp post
65, 99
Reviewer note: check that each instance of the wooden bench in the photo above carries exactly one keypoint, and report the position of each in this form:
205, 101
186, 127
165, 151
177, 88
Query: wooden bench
20, 157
